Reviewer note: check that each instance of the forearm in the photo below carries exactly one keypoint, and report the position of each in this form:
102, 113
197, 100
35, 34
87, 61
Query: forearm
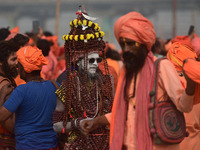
9, 124
190, 89
2, 99
185, 103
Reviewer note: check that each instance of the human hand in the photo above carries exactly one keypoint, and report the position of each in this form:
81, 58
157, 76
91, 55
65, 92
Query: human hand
58, 127
88, 125
190, 88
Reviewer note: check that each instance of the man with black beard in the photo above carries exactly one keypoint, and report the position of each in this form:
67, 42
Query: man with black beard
8, 72
129, 120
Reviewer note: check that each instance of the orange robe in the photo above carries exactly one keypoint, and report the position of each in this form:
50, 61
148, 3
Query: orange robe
192, 142
114, 64
168, 85
49, 71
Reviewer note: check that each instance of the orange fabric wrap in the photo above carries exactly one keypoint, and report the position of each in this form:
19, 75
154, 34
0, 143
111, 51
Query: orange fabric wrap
31, 58
136, 27
191, 68
186, 40
178, 53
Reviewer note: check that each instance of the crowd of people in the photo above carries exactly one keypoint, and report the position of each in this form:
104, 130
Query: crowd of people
86, 94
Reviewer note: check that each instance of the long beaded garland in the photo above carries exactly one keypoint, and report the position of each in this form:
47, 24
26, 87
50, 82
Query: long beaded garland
83, 99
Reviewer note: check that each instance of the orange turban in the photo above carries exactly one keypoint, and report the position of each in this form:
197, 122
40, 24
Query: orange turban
31, 58
196, 45
186, 40
178, 53
136, 27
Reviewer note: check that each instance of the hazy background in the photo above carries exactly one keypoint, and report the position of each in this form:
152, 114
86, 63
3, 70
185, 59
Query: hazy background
22, 12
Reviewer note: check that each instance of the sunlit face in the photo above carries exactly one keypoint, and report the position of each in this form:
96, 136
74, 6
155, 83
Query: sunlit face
92, 65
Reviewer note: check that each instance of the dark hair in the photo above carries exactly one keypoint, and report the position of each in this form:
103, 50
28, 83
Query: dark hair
11, 46
113, 54
4, 32
47, 33
44, 45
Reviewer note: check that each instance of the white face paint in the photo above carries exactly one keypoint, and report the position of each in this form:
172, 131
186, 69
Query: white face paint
91, 67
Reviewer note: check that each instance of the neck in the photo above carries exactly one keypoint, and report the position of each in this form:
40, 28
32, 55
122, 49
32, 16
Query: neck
34, 78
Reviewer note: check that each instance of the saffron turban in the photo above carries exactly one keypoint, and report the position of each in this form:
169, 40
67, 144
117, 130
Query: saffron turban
196, 45
178, 52
186, 40
31, 58
136, 27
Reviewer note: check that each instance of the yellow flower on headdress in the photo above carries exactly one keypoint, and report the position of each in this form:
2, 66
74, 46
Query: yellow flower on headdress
85, 22
102, 33
96, 26
75, 22
90, 23
76, 38
71, 24
63, 37
97, 34
71, 37
67, 37
88, 36
99, 28
92, 35
82, 37
79, 23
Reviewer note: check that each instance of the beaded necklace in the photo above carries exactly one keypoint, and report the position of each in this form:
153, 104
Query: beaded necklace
97, 93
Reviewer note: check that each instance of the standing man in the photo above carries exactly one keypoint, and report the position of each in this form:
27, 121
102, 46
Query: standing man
33, 103
86, 92
129, 120
8, 72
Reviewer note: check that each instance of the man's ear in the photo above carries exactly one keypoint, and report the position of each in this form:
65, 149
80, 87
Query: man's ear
1, 63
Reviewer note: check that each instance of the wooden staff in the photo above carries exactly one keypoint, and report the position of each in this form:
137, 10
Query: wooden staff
57, 17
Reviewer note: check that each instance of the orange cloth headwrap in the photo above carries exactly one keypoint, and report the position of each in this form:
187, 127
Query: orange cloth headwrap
178, 53
31, 58
136, 27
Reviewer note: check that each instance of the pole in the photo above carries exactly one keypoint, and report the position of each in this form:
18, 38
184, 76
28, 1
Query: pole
57, 17
174, 18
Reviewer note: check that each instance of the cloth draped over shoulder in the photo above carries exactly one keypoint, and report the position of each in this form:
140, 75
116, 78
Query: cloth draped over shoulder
119, 110
191, 68
31, 58
136, 27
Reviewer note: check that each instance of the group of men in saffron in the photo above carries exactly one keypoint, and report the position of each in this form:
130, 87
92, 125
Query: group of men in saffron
96, 103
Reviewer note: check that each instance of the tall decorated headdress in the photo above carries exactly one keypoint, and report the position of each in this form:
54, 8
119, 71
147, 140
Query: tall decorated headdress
84, 38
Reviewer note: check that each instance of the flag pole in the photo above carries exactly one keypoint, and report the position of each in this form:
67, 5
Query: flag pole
57, 17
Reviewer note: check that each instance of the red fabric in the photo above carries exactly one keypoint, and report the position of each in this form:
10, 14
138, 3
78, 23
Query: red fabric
119, 111
31, 58
136, 27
